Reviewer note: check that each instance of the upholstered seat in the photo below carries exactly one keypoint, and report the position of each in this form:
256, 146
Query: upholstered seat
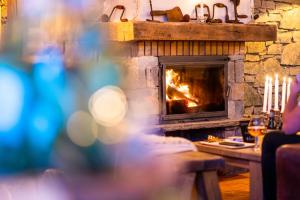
288, 172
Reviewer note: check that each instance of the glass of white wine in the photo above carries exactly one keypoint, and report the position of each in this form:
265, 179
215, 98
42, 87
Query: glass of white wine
257, 128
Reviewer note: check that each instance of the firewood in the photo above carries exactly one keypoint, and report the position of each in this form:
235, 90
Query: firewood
172, 91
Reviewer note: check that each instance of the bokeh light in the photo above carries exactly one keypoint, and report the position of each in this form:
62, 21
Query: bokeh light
112, 135
12, 98
79, 129
108, 106
15, 98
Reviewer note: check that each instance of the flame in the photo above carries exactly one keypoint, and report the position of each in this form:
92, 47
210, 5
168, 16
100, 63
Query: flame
173, 80
192, 104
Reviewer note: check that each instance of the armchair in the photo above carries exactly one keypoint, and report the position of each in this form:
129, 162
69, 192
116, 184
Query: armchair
288, 172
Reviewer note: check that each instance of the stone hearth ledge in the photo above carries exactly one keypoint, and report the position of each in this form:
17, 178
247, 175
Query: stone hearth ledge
168, 31
222, 123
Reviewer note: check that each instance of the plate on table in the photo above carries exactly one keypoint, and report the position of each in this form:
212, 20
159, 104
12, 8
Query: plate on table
229, 144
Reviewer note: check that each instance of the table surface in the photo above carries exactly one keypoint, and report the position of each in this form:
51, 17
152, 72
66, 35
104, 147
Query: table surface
198, 161
246, 153
246, 158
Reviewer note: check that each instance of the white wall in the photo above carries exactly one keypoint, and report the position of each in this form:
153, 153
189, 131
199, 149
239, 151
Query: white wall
139, 9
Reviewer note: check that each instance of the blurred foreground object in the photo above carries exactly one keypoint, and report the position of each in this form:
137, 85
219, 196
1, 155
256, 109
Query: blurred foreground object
68, 130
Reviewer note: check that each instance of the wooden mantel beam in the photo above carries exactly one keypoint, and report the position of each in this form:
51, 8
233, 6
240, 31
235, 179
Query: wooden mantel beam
137, 31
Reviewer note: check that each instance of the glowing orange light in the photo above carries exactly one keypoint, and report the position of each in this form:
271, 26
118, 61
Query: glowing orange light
173, 81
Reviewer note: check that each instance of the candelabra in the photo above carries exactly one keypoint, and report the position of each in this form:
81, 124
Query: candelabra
273, 119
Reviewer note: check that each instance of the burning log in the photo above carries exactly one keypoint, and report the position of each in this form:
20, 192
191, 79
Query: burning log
177, 106
174, 92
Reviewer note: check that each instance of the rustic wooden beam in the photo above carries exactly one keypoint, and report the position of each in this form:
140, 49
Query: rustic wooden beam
169, 31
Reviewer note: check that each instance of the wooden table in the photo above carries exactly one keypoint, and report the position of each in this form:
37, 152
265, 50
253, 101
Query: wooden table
202, 168
245, 158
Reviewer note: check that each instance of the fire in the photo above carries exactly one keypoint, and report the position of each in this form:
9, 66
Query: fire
177, 90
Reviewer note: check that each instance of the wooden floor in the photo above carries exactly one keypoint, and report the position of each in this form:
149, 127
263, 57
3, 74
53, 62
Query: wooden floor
235, 188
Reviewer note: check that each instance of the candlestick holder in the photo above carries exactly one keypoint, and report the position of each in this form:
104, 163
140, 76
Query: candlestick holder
272, 122
279, 120
273, 119
266, 118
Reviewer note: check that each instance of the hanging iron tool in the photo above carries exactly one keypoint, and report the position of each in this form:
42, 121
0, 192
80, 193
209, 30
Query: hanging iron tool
219, 5
236, 3
106, 18
151, 13
208, 16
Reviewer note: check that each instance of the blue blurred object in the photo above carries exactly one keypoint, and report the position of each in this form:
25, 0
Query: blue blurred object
52, 82
90, 42
49, 73
15, 98
45, 124
102, 74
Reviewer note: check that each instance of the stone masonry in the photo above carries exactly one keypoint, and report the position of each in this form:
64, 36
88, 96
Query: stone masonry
281, 56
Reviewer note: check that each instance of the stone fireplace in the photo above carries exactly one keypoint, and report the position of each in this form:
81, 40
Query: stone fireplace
193, 88
205, 67
146, 75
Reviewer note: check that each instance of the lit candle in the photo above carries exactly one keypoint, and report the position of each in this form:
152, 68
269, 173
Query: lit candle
288, 89
283, 95
276, 107
270, 95
266, 95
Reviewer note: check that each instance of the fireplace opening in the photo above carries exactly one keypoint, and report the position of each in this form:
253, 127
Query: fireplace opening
193, 88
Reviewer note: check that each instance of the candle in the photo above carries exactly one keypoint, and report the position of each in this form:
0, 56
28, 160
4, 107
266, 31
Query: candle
288, 89
283, 95
270, 95
266, 95
276, 107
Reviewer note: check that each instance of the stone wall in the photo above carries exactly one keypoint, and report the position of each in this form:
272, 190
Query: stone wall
281, 56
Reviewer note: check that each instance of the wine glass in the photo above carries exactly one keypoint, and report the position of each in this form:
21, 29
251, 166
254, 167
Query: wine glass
257, 128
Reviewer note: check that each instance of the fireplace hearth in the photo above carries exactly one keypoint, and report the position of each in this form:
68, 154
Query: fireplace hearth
193, 88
